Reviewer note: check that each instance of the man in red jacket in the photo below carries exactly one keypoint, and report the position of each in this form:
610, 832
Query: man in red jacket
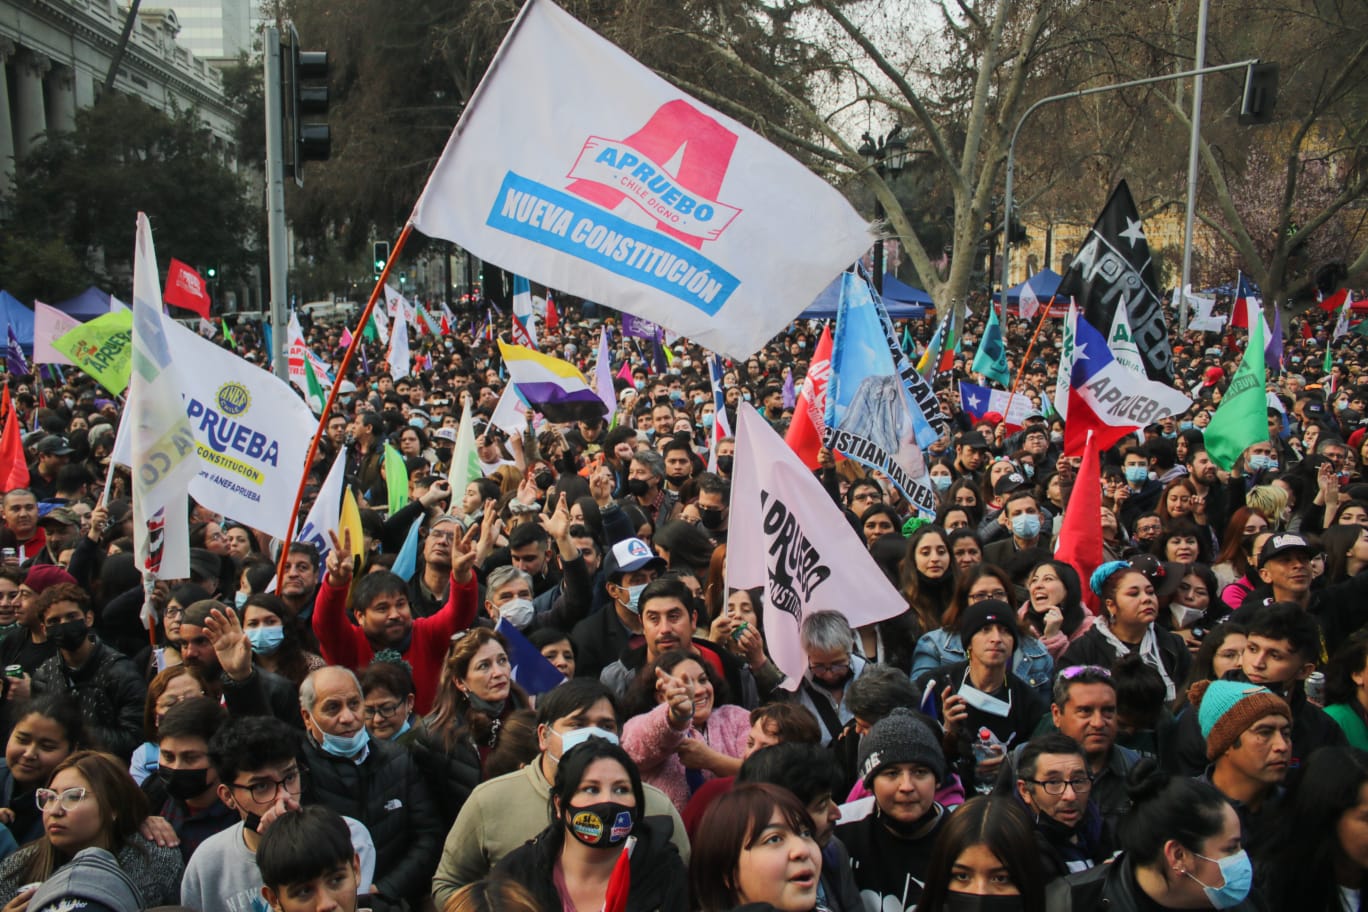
379, 604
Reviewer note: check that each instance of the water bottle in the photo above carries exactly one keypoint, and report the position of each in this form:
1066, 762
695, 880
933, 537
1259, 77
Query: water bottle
986, 747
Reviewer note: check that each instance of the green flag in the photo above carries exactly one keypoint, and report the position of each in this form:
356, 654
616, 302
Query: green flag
991, 358
396, 479
227, 334
103, 348
1241, 420
315, 396
465, 461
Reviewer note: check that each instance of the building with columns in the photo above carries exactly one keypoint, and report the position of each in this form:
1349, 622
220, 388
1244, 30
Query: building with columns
55, 56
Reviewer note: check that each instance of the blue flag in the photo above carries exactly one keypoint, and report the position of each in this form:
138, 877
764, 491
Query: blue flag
991, 357
531, 670
406, 561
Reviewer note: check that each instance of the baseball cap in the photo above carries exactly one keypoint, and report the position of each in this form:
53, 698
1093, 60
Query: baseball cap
1012, 481
629, 555
1163, 575
973, 440
1212, 376
445, 433
1278, 545
55, 445
64, 515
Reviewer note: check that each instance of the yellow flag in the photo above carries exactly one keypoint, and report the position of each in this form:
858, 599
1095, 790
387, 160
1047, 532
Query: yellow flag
350, 521
103, 348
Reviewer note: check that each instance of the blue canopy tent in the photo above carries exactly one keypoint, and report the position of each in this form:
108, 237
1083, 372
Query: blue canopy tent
87, 305
1044, 283
903, 302
13, 312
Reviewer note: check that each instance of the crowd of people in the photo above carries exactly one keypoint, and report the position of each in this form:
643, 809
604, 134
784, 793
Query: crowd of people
1186, 728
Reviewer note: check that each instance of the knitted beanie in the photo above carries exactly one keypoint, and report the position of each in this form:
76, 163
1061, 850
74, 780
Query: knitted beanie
41, 576
982, 614
1226, 709
92, 881
900, 737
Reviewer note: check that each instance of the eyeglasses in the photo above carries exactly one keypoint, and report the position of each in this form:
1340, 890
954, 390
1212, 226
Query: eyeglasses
381, 710
262, 792
70, 799
1055, 787
983, 595
837, 668
172, 613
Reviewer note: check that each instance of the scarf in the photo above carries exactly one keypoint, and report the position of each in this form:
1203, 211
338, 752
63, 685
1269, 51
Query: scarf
1149, 651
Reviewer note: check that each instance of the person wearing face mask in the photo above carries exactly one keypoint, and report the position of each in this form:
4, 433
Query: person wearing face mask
1180, 849
985, 860
184, 792
1022, 518
375, 782
275, 644
714, 499
832, 664
504, 813
104, 682
597, 805
604, 635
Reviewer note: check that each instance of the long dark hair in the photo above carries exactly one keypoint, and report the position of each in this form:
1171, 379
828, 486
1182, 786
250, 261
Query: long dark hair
1339, 674
1336, 542
1298, 864
1001, 825
453, 716
1072, 609
570, 773
290, 659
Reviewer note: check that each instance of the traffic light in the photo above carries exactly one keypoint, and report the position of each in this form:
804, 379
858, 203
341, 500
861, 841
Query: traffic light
211, 272
380, 256
1260, 93
306, 96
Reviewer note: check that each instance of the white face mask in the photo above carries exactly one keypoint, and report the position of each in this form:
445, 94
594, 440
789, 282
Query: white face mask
517, 612
578, 736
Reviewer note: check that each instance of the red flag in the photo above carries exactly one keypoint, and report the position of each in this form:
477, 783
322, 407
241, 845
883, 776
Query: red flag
1306, 330
1080, 535
552, 318
14, 471
620, 881
1334, 302
804, 435
446, 327
185, 289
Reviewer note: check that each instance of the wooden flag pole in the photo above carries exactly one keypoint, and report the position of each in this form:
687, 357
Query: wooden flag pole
342, 371
1030, 346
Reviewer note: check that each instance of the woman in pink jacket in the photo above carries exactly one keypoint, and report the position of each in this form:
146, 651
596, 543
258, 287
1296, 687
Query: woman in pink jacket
680, 736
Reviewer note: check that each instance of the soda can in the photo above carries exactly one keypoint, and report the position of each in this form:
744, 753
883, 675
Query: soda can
14, 671
1315, 688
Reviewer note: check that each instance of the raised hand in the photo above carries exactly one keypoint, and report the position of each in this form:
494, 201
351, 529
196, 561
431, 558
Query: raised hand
678, 695
557, 525
464, 555
339, 562
230, 643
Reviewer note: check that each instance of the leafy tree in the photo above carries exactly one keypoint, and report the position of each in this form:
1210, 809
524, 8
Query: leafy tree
70, 218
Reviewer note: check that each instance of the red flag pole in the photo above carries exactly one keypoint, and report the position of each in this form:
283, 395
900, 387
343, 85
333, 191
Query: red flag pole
342, 370
1021, 369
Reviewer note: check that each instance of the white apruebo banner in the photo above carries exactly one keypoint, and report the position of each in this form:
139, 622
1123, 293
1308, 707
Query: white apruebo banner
789, 537
616, 186
251, 431
161, 446
396, 305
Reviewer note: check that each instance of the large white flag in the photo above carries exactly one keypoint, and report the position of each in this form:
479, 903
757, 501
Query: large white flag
398, 354
1027, 302
1202, 319
603, 373
251, 430
162, 446
326, 511
398, 306
616, 186
465, 460
50, 324
789, 537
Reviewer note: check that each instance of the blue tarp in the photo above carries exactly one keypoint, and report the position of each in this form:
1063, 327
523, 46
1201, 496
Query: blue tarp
87, 305
13, 312
897, 299
1044, 283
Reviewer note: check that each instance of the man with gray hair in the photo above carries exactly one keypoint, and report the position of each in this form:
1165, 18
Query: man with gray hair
375, 782
829, 643
645, 477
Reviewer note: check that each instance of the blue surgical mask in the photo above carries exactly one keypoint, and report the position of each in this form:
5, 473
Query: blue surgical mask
1238, 874
240, 599
633, 597
578, 736
941, 482
339, 746
708, 420
1028, 469
1259, 462
1026, 525
408, 723
1137, 474
1186, 425
639, 385
266, 640
699, 400
746, 396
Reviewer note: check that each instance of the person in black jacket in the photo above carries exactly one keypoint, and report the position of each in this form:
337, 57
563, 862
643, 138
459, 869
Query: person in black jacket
602, 636
597, 799
105, 683
374, 782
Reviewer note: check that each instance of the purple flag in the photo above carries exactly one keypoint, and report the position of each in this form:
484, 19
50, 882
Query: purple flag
1273, 350
658, 362
790, 394
639, 328
365, 363
15, 362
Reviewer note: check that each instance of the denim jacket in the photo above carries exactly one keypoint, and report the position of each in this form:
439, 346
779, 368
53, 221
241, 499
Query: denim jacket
1031, 662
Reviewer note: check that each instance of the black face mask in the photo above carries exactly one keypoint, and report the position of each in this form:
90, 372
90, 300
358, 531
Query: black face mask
710, 517
970, 902
600, 826
252, 821
69, 635
184, 784
638, 487
724, 464
544, 480
834, 685
444, 454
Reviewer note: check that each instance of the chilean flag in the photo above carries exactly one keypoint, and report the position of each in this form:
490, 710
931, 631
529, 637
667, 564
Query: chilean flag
1105, 396
1334, 302
804, 435
1245, 297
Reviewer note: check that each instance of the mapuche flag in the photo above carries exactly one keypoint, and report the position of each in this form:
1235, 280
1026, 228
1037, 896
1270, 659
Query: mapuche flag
1114, 269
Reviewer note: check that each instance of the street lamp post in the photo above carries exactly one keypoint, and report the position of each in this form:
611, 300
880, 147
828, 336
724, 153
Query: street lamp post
887, 155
